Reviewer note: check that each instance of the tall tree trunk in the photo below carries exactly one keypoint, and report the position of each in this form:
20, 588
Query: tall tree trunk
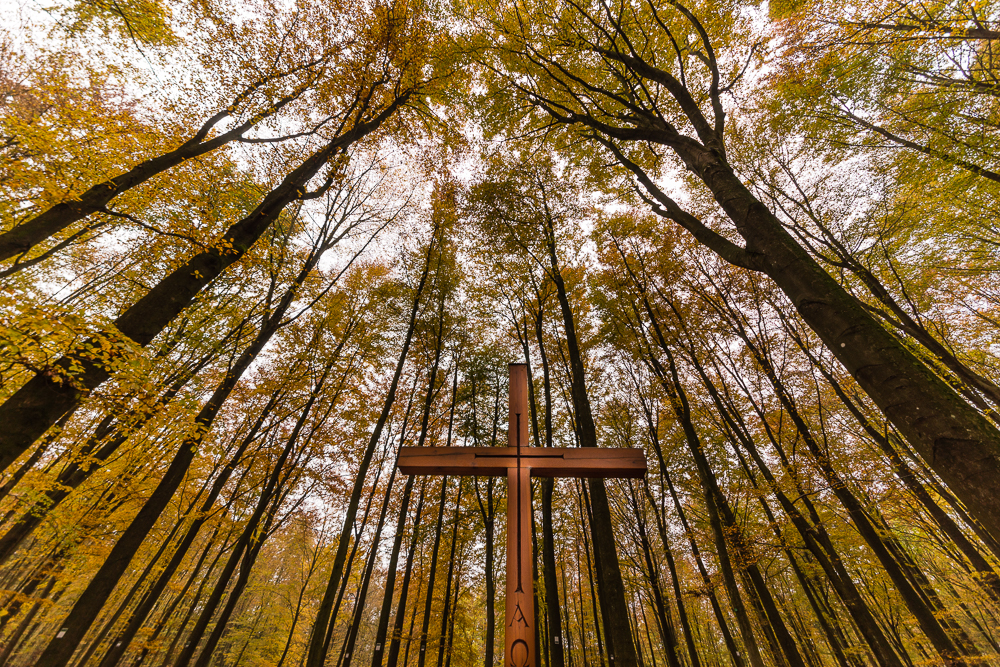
382, 630
584, 505
359, 605
397, 542
667, 632
814, 536
168, 612
151, 597
60, 649
446, 612
553, 615
987, 577
40, 402
682, 611
609, 576
317, 648
251, 540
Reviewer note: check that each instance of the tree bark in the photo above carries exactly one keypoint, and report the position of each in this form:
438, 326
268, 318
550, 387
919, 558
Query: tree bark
46, 397
397, 627
431, 576
60, 649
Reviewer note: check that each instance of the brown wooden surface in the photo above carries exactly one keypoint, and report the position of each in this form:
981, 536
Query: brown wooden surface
519, 606
543, 462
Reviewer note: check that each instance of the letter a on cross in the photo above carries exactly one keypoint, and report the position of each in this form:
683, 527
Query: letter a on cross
519, 463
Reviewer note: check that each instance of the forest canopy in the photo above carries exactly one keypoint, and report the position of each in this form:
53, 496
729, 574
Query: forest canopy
250, 250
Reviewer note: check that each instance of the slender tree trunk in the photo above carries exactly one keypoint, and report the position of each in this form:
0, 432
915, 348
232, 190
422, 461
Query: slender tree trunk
317, 648
19, 631
584, 504
814, 536
446, 612
151, 597
359, 605
248, 546
397, 628
429, 598
168, 612
667, 632
695, 661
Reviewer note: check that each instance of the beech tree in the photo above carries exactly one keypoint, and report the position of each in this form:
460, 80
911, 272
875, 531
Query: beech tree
247, 253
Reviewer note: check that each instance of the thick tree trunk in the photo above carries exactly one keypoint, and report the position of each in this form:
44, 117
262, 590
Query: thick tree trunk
956, 440
951, 644
609, 577
95, 453
986, 577
39, 403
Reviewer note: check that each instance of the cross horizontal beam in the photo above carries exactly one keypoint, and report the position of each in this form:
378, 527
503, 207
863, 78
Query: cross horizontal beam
542, 461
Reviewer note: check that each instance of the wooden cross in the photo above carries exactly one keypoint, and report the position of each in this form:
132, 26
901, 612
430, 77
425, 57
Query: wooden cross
520, 462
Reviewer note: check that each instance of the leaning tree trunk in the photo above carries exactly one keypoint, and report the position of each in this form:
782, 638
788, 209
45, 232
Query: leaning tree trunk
152, 595
33, 231
359, 605
39, 403
814, 536
667, 632
60, 649
95, 454
955, 439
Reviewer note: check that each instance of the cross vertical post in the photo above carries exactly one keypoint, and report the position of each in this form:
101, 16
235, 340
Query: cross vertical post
519, 626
